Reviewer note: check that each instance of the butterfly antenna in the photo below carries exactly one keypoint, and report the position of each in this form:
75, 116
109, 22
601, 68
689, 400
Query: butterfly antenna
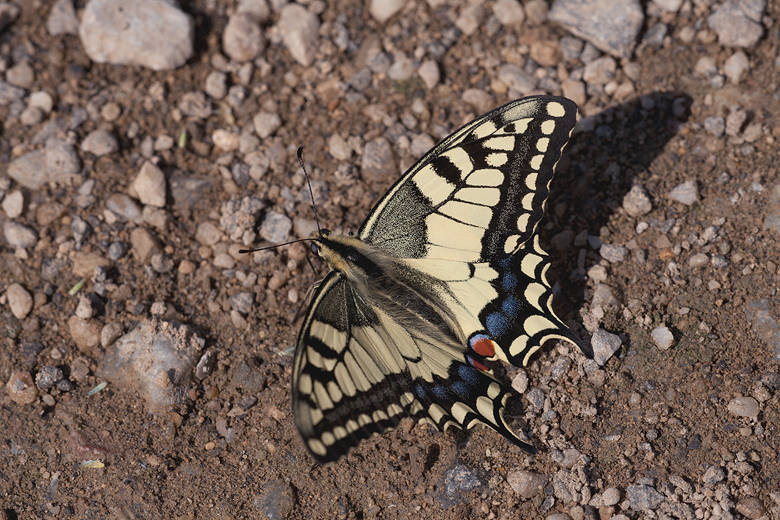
311, 192
273, 246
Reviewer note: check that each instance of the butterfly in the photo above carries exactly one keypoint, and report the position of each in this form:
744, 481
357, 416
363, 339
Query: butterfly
445, 275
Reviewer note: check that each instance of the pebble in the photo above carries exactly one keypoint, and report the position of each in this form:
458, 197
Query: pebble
642, 496
144, 244
149, 185
266, 123
124, 207
276, 227
383, 10
299, 30
13, 204
509, 12
275, 500
520, 381
738, 23
151, 33
401, 69
536, 398
47, 377
85, 333
19, 300
537, 11
698, 260
526, 484
687, 193
469, 18
161, 263
378, 161
715, 125
156, 359
62, 18
574, 90
224, 261
208, 234
610, 26
751, 507
62, 160
21, 388
21, 75
743, 407
239, 218
600, 71
110, 333
610, 497
612, 253
216, 84
226, 141
31, 116
84, 264
243, 38
735, 67
516, 79
242, 302
19, 236
603, 297
637, 201
713, 475
429, 73
604, 344
560, 367
735, 120
663, 338
100, 142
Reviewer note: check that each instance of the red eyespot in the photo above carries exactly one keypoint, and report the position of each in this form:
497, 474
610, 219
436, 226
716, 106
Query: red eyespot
476, 364
483, 346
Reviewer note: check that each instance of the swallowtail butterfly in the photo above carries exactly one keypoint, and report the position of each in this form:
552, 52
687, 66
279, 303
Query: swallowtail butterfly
445, 274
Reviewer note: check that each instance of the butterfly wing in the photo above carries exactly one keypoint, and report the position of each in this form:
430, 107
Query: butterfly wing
466, 213
358, 371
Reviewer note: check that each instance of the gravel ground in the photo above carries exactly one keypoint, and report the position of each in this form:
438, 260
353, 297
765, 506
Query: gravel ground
147, 361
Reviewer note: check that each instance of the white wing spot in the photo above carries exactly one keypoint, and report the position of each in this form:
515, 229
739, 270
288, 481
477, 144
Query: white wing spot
542, 144
484, 196
555, 109
530, 180
460, 159
485, 272
497, 159
340, 432
493, 390
518, 345
527, 202
485, 129
317, 447
485, 177
536, 161
522, 222
548, 127
506, 143
485, 408
436, 412
328, 439
511, 244
529, 264
304, 384
460, 411
468, 213
344, 380
533, 294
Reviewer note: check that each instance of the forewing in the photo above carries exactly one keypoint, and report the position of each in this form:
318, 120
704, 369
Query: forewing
480, 193
358, 372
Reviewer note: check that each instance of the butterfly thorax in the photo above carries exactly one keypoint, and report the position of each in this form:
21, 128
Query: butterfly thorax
409, 296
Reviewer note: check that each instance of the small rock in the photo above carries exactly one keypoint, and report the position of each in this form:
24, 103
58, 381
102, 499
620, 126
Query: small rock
299, 30
275, 227
84, 264
275, 501
216, 84
610, 497
124, 207
751, 507
516, 79
62, 18
150, 186
100, 142
401, 69
509, 12
144, 244
85, 333
30, 170
266, 124
686, 193
110, 333
526, 484
743, 407
643, 497
713, 475
47, 377
520, 381
738, 23
21, 75
151, 33
208, 234
612, 253
13, 204
715, 125
378, 161
663, 338
19, 236
698, 260
600, 71
19, 300
470, 18
41, 100
604, 344
21, 388
735, 120
243, 38
637, 201
536, 399
383, 10
429, 73
736, 66
242, 302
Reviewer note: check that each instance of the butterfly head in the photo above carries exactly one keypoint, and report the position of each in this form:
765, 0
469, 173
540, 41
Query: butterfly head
341, 253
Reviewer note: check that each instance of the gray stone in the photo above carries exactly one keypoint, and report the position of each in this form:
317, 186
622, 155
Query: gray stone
243, 38
242, 302
743, 407
526, 484
643, 497
516, 79
610, 26
738, 22
19, 236
715, 125
10, 94
8, 13
62, 160
720, 261
151, 33
21, 75
383, 10
612, 253
124, 207
560, 367
275, 501
600, 71
276, 227
637, 201
610, 497
687, 193
604, 344
266, 124
62, 18
100, 142
299, 29
736, 66
698, 260
216, 84
713, 475
536, 398
429, 73
47, 377
378, 161
29, 170
509, 12
239, 218
150, 186
663, 338
19, 300
13, 204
